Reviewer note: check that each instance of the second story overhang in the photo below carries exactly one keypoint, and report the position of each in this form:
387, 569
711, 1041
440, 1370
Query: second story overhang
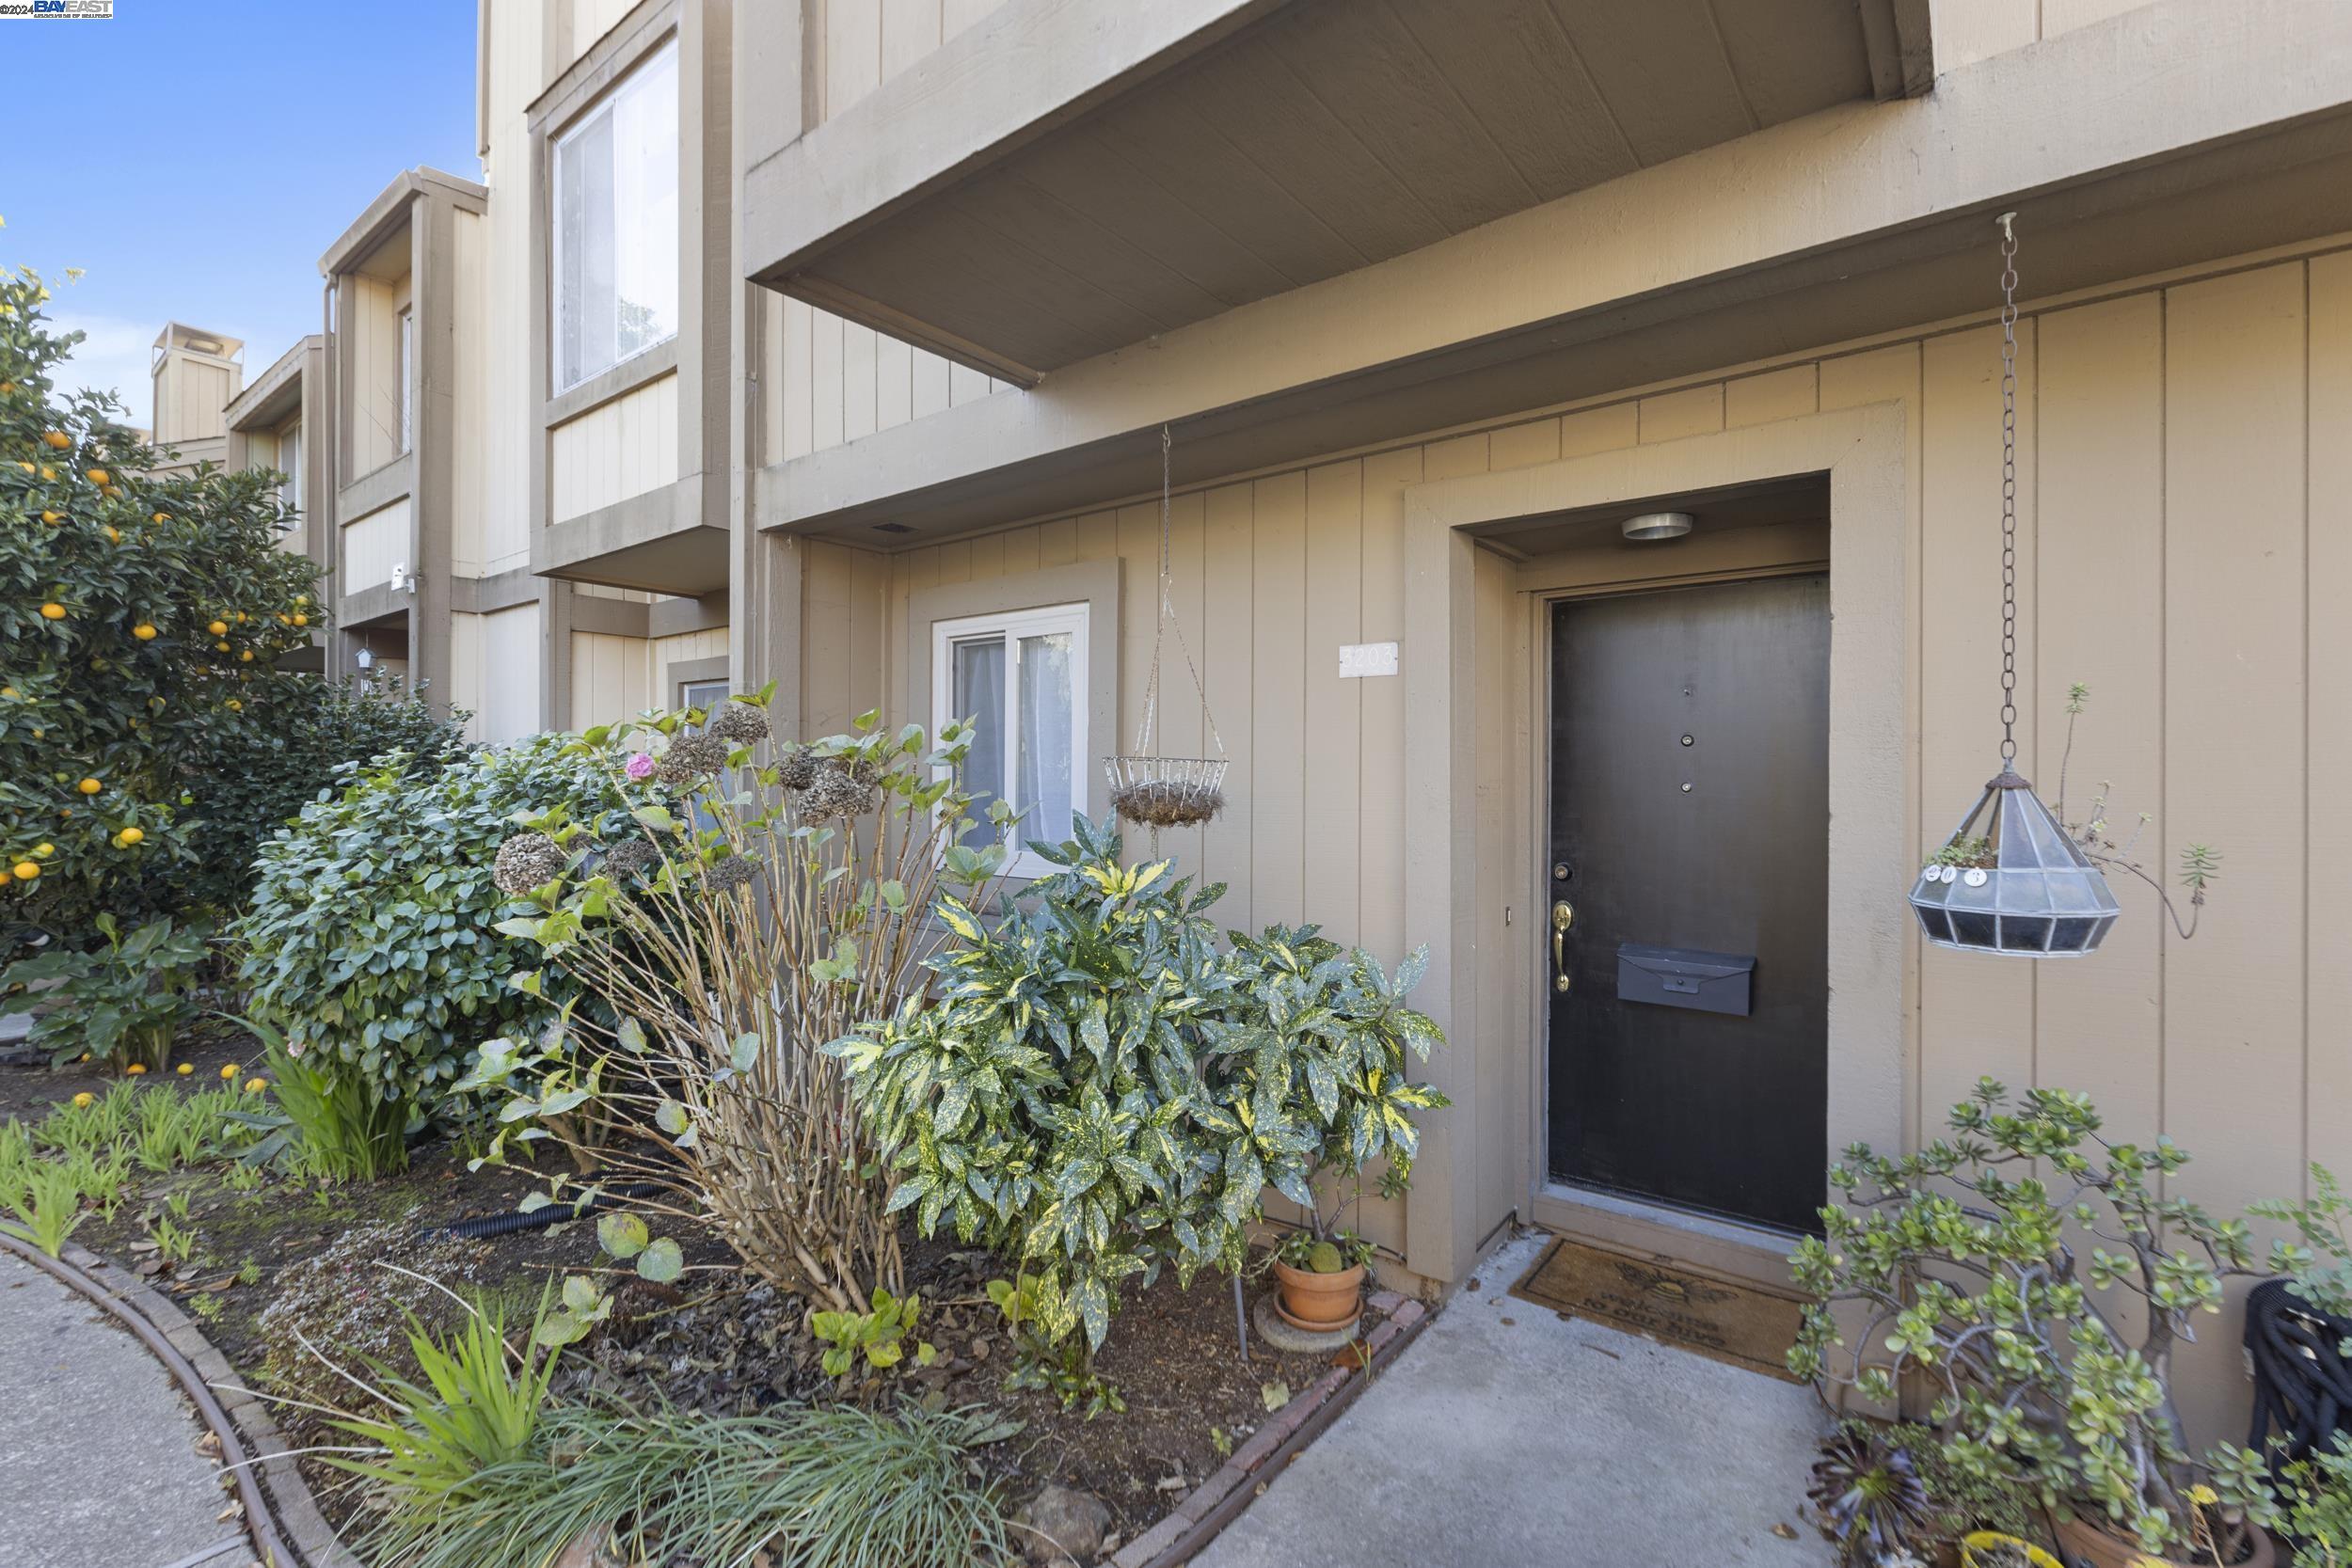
1060, 180
2168, 135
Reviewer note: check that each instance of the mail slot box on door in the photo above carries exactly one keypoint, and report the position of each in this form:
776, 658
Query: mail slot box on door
1684, 977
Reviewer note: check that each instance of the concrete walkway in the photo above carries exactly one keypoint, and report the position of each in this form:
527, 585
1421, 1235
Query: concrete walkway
99, 1466
1508, 1436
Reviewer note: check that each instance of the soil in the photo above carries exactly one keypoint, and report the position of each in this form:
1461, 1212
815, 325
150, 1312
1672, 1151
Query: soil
208, 1045
720, 1340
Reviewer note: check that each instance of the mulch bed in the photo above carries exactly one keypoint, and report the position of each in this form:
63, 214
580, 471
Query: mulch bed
721, 1341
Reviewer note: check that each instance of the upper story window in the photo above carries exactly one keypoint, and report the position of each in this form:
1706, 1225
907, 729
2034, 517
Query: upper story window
1017, 677
616, 225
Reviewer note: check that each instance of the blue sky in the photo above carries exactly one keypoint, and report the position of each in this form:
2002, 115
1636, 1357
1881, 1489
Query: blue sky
176, 154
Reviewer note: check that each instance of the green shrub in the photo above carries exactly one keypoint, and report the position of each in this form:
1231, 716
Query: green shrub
298, 737
325, 1123
371, 945
112, 682
1097, 1087
123, 1002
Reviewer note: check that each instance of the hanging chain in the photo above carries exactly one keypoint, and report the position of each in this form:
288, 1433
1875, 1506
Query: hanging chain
1167, 620
2009, 489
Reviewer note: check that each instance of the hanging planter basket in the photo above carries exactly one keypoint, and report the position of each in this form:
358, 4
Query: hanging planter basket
2010, 880
1165, 792
1146, 789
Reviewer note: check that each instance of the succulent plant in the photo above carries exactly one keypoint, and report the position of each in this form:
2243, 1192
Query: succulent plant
1869, 1499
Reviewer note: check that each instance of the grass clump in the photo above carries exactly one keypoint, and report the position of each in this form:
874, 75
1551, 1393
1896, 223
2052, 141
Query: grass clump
810, 1488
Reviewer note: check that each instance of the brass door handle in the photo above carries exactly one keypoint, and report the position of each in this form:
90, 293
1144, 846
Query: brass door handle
1563, 916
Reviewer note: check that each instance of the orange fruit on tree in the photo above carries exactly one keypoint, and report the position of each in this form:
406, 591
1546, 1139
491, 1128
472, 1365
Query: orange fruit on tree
162, 518
25, 871
302, 620
235, 706
218, 629
247, 655
47, 472
222, 646
52, 519
113, 534
89, 786
44, 851
58, 438
96, 476
112, 492
53, 611
131, 835
144, 632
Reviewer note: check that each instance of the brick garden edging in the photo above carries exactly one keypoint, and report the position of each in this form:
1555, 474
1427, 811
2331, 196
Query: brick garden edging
294, 1512
1216, 1501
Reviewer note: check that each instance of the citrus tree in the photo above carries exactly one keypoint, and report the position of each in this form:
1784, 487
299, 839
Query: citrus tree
139, 616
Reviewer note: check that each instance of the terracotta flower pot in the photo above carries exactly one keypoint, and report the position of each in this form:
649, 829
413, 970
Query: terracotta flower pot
2081, 1539
1320, 1303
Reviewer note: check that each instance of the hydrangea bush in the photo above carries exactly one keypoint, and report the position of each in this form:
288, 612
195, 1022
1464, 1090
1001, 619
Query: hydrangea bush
372, 940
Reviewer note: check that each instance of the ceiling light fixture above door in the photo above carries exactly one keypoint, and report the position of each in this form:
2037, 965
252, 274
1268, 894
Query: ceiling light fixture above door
1659, 525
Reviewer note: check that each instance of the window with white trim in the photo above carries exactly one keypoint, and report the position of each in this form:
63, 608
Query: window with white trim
1020, 678
616, 225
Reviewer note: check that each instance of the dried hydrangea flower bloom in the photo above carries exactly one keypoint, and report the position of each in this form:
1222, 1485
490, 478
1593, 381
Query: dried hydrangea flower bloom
739, 724
528, 861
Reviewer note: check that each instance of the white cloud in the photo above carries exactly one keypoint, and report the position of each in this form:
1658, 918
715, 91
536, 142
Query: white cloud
116, 356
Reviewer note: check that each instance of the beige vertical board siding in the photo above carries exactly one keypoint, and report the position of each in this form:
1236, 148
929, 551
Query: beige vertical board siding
1892, 375
1178, 731
795, 373
508, 707
1979, 30
663, 654
1976, 1012
374, 545
894, 382
825, 608
1333, 730
464, 670
826, 405
910, 30
2328, 674
1278, 685
1383, 732
956, 15
852, 52
592, 20
2235, 691
611, 678
616, 449
371, 340
509, 415
857, 381
2234, 714
2100, 417
1229, 620
468, 552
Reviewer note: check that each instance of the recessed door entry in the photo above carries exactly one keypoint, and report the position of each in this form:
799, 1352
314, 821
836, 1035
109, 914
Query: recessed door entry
1686, 943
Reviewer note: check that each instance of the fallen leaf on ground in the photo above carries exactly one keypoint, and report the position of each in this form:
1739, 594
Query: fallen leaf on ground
1275, 1394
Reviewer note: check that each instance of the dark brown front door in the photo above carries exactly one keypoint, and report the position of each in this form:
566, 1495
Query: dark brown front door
1690, 832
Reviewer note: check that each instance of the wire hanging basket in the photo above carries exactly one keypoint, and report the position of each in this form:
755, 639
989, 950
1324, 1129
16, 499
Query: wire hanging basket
1146, 788
2010, 879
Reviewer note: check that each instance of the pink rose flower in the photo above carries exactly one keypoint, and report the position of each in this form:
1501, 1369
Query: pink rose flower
640, 767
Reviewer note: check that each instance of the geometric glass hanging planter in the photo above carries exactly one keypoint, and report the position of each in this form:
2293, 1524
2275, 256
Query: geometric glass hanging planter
2010, 879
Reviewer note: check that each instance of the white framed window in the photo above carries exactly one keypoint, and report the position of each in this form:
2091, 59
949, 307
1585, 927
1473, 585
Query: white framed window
615, 259
408, 373
702, 694
1020, 677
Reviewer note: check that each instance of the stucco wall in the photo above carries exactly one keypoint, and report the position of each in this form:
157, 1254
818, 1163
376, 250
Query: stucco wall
2185, 536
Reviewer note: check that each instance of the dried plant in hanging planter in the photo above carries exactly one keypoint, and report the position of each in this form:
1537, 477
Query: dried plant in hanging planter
1165, 792
1148, 789
747, 932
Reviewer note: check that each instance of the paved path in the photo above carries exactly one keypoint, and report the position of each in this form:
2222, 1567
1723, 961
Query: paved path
1508, 1436
98, 1460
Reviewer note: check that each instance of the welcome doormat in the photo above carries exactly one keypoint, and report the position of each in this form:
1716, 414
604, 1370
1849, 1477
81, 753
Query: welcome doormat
1725, 1318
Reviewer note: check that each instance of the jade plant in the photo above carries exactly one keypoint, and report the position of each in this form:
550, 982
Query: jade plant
2005, 1267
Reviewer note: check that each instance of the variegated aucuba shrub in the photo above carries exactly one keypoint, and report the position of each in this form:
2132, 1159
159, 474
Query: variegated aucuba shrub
2039, 1279
1099, 1087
